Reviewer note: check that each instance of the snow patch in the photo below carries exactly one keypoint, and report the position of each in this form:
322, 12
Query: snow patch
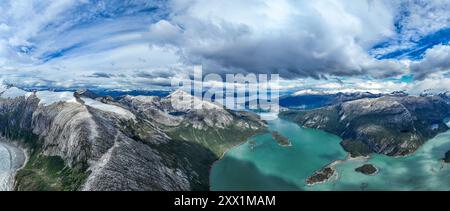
144, 99
49, 97
12, 93
109, 108
307, 92
336, 91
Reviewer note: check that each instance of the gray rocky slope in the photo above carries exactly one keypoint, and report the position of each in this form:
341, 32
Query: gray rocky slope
391, 125
85, 142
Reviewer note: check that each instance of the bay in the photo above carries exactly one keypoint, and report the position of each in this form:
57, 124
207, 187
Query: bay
261, 164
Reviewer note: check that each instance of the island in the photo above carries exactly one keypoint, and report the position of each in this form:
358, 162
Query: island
321, 176
367, 169
281, 140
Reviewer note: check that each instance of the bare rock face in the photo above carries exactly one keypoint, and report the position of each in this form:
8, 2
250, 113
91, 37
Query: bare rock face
447, 157
131, 165
68, 131
135, 143
391, 125
177, 109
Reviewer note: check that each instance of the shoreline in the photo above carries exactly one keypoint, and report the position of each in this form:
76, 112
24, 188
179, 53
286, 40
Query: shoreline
372, 174
27, 158
225, 152
264, 131
332, 166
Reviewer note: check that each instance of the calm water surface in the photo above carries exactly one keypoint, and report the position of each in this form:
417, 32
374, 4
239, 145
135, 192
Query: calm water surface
261, 164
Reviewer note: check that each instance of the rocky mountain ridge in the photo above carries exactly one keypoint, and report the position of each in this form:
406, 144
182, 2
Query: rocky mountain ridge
391, 125
82, 141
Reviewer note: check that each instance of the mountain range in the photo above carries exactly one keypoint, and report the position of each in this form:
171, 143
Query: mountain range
83, 141
393, 125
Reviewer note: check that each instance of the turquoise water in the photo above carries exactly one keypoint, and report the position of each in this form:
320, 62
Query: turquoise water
268, 166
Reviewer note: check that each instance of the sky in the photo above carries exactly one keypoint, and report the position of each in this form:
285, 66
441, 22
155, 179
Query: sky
324, 45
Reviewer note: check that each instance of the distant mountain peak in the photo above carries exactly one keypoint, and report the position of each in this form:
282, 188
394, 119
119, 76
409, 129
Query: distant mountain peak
183, 101
85, 93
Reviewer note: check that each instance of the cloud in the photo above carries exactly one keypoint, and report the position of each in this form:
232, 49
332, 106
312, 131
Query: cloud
142, 43
101, 75
436, 59
69, 42
350, 85
294, 38
419, 25
434, 83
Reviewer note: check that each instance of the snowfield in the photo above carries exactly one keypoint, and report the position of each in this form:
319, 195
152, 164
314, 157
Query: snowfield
12, 93
109, 108
49, 97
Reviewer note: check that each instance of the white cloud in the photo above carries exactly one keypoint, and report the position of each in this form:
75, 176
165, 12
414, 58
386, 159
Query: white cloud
353, 85
143, 43
435, 83
60, 43
415, 20
294, 38
436, 59
419, 18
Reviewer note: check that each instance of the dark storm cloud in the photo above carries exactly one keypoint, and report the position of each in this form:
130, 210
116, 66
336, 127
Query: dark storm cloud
292, 38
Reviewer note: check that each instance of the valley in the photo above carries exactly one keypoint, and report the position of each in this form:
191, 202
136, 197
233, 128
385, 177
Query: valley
82, 141
85, 141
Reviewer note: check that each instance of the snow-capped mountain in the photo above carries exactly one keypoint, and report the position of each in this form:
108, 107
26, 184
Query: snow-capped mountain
82, 141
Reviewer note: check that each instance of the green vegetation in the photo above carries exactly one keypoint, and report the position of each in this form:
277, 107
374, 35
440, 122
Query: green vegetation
40, 173
327, 117
215, 139
320, 176
195, 159
393, 131
200, 148
367, 169
281, 140
356, 148
49, 173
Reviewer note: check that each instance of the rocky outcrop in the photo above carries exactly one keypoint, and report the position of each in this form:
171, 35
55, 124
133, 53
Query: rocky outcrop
367, 169
391, 125
210, 125
281, 140
82, 141
447, 157
321, 176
